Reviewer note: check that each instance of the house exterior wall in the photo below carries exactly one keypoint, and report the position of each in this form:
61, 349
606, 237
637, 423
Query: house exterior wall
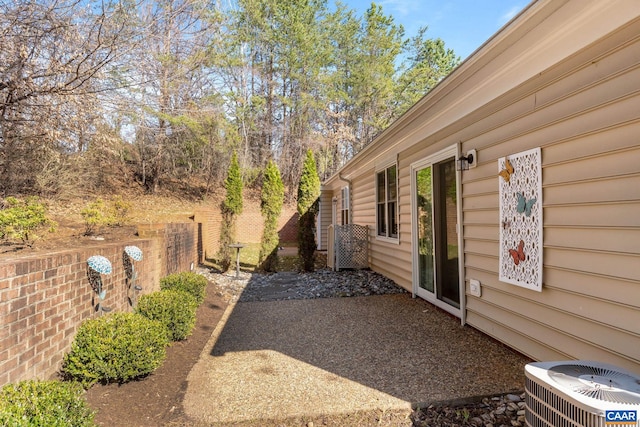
584, 114
543, 81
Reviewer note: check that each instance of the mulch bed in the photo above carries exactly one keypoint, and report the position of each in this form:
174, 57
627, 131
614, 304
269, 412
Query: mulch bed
156, 400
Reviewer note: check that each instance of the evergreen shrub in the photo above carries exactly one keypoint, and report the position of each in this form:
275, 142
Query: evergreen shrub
191, 283
271, 201
119, 211
175, 309
308, 195
98, 214
117, 347
20, 220
44, 403
95, 216
231, 208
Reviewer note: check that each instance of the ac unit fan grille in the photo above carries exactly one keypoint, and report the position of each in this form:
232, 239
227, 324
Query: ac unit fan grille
579, 394
596, 382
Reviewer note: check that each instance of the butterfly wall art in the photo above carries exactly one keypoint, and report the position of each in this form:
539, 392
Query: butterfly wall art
518, 254
520, 219
524, 206
507, 171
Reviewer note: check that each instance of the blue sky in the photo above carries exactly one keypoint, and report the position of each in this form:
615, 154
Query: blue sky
463, 24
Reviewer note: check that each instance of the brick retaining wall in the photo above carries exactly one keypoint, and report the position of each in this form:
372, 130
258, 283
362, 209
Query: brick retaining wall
45, 297
249, 228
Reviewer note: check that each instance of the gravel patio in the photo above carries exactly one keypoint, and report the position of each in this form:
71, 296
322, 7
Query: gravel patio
297, 359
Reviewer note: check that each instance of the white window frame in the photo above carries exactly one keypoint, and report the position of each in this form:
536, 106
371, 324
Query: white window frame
387, 235
345, 206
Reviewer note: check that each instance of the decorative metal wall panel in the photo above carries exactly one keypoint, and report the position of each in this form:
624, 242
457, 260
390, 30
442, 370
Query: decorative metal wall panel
351, 246
521, 240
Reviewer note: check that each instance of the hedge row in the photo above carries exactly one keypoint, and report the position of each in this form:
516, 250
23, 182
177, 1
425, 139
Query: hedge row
44, 403
117, 347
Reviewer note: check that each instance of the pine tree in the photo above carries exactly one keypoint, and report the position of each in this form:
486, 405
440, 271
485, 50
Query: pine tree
427, 62
381, 41
272, 198
308, 194
231, 209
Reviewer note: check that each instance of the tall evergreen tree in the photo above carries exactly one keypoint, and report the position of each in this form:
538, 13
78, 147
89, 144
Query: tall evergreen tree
338, 121
381, 42
428, 62
308, 194
231, 209
267, 78
360, 85
272, 198
280, 50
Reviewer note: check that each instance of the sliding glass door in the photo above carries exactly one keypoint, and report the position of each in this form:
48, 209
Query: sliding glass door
435, 224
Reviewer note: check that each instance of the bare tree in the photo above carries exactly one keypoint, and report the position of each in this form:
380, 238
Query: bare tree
179, 122
50, 57
177, 85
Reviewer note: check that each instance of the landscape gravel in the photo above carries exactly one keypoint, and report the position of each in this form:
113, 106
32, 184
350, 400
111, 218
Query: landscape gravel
506, 410
496, 411
288, 285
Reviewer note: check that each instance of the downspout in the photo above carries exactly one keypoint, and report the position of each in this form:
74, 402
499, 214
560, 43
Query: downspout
461, 270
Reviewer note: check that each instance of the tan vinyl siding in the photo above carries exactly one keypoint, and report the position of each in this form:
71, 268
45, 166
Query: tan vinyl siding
565, 78
514, 338
587, 124
390, 259
612, 240
364, 197
555, 337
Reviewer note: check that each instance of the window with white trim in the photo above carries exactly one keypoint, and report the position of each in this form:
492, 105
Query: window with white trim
344, 206
387, 203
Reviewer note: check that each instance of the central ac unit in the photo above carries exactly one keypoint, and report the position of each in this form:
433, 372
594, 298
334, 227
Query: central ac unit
581, 393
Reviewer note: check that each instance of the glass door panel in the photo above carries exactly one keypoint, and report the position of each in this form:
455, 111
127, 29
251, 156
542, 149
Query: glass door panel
436, 245
424, 215
446, 233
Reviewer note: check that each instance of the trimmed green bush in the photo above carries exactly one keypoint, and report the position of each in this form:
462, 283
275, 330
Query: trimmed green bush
233, 184
44, 403
117, 347
188, 282
175, 309
309, 186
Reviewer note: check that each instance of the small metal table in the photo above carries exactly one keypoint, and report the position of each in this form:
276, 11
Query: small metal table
238, 246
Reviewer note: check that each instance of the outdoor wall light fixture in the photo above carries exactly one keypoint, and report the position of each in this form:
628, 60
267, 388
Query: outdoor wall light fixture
468, 161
